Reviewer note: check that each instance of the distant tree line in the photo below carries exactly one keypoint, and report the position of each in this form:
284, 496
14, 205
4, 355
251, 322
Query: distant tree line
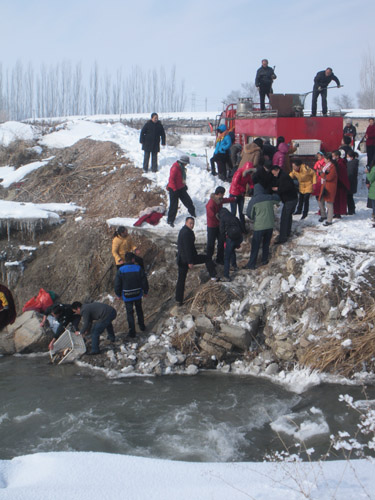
63, 89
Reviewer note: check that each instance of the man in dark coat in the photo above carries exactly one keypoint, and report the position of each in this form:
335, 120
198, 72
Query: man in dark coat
263, 82
231, 231
287, 192
352, 168
151, 134
321, 81
64, 315
131, 285
102, 314
187, 257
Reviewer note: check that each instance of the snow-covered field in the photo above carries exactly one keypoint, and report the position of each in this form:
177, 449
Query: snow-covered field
96, 475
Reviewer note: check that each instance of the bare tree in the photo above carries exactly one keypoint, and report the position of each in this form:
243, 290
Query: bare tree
344, 102
366, 96
247, 90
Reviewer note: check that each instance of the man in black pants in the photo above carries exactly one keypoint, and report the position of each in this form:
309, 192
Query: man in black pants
285, 188
321, 81
130, 285
187, 257
177, 189
151, 134
263, 82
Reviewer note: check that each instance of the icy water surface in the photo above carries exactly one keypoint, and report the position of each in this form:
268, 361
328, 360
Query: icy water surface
208, 417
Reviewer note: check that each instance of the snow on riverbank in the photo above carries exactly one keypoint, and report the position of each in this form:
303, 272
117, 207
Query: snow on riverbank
95, 476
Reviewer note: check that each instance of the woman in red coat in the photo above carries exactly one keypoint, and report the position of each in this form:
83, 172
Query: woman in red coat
343, 185
241, 181
328, 190
370, 142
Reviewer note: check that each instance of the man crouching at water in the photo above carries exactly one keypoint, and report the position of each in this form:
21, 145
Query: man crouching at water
103, 314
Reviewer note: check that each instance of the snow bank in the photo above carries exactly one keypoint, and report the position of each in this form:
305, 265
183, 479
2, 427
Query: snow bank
28, 211
94, 476
12, 131
11, 175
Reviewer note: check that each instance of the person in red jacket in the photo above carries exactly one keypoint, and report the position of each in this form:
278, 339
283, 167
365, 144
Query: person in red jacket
343, 185
370, 142
178, 190
213, 208
241, 181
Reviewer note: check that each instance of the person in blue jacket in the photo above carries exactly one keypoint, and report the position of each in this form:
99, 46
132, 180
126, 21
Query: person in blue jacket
131, 285
222, 153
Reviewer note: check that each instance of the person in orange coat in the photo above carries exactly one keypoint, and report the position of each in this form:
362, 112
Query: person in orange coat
328, 190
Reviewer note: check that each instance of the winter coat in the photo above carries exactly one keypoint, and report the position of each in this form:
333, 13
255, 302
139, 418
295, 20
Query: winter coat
151, 134
213, 208
329, 183
265, 77
186, 251
95, 311
239, 181
264, 177
120, 246
252, 153
352, 168
279, 157
350, 131
370, 135
371, 179
223, 144
131, 282
260, 208
65, 316
177, 177
322, 80
286, 188
318, 167
306, 178
230, 226
8, 310
343, 186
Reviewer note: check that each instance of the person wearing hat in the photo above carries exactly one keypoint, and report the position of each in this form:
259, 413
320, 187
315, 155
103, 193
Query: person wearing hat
350, 131
177, 189
221, 154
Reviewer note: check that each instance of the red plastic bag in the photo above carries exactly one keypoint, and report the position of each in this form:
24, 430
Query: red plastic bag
38, 303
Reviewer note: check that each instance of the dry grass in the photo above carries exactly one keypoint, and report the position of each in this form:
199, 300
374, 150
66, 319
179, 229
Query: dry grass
186, 342
213, 294
329, 355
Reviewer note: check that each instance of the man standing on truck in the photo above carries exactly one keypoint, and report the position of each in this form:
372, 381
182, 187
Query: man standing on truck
263, 82
321, 81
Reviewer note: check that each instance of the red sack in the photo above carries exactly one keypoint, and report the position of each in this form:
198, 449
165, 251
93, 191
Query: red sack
38, 303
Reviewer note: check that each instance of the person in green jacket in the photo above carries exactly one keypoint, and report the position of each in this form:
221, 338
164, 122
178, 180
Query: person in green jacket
370, 176
260, 210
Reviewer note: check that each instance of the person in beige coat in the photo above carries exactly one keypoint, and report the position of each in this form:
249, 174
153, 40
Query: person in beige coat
252, 153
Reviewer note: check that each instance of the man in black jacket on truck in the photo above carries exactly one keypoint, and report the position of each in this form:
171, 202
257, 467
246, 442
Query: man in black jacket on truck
263, 82
321, 81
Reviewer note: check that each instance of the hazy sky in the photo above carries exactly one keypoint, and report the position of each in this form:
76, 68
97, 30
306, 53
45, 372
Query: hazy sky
215, 45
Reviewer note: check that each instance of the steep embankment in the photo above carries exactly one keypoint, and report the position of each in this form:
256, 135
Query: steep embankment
309, 305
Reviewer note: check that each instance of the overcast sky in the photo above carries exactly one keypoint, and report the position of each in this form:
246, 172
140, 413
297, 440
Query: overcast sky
216, 45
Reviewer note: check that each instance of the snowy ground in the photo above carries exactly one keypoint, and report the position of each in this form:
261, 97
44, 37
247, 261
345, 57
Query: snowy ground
98, 476
94, 475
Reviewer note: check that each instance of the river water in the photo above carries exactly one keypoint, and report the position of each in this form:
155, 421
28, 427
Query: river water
210, 417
